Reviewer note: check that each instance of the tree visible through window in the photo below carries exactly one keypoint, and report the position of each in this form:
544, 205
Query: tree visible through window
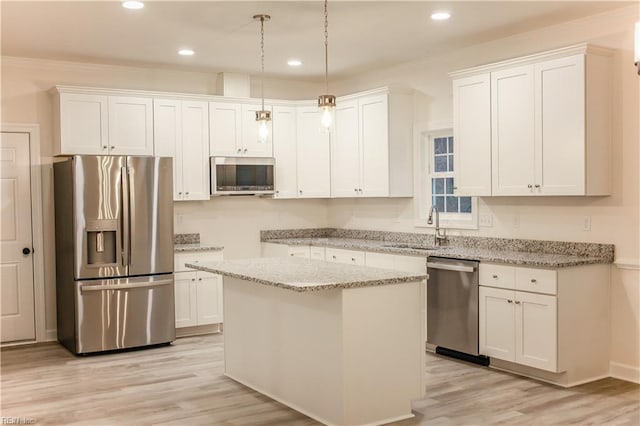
442, 184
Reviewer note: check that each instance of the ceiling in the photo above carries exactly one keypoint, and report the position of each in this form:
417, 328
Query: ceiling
363, 35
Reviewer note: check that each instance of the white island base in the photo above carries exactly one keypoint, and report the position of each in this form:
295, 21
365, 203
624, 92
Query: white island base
343, 356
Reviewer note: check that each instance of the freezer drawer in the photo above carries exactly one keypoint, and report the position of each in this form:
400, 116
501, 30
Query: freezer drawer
124, 313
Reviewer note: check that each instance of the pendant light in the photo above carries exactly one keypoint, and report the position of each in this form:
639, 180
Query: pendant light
263, 117
326, 102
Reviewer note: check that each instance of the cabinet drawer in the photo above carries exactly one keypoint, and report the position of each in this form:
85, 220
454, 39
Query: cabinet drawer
501, 276
536, 280
194, 257
344, 256
299, 251
316, 253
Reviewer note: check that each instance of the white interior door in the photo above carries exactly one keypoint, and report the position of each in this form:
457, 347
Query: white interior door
16, 268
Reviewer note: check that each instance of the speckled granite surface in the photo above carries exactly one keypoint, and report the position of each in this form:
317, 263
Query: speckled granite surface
297, 274
191, 242
551, 254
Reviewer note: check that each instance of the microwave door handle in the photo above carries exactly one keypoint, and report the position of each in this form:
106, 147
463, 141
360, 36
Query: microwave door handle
125, 216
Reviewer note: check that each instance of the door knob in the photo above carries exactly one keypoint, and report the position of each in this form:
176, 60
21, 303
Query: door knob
26, 250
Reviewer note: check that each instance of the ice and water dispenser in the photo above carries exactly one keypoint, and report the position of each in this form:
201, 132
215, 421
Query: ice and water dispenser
102, 237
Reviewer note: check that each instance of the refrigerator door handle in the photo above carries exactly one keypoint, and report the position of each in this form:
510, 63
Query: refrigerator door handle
126, 286
126, 243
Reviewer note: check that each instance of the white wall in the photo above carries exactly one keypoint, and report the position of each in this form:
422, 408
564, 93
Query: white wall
614, 219
232, 222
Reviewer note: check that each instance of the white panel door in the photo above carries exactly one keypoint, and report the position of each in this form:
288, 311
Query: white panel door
225, 124
512, 138
251, 145
84, 124
472, 134
285, 152
496, 323
560, 126
314, 180
345, 151
16, 268
185, 299
536, 330
374, 145
167, 130
130, 126
195, 150
209, 298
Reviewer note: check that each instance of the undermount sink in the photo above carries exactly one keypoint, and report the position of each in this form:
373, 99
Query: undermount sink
409, 246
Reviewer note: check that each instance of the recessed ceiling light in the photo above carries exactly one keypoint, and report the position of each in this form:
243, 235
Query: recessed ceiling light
294, 62
132, 4
440, 16
186, 52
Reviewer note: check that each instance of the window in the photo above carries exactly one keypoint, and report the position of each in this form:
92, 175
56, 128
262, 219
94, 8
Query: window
437, 183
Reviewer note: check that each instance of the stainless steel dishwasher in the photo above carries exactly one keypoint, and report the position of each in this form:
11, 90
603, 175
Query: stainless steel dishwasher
452, 308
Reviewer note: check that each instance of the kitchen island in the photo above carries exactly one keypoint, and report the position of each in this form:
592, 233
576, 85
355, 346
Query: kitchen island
342, 344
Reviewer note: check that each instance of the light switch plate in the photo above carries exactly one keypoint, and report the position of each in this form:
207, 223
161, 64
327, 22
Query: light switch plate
586, 223
486, 220
516, 220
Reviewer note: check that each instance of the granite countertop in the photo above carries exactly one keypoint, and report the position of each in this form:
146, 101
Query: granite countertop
179, 248
547, 260
301, 275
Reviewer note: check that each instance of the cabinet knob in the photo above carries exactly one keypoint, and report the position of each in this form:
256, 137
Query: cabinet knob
355, 189
199, 279
104, 147
333, 257
186, 193
509, 301
245, 150
353, 259
529, 186
291, 254
517, 302
193, 279
533, 280
179, 193
239, 150
537, 186
113, 147
301, 191
277, 192
455, 188
360, 189
495, 277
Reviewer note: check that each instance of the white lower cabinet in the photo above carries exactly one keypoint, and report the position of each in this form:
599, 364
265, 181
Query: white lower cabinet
546, 323
352, 257
518, 326
198, 294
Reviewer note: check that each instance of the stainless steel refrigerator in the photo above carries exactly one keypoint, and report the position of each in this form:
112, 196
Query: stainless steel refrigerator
114, 252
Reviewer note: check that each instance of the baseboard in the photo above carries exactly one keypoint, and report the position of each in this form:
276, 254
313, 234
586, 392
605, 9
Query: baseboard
50, 335
624, 372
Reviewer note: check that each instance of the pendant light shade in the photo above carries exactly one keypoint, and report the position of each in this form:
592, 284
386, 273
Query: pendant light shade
326, 102
263, 117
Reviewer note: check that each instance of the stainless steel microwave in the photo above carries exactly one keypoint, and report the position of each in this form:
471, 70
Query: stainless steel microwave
242, 175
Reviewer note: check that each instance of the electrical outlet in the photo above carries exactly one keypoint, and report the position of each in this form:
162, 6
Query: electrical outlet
516, 220
486, 220
586, 223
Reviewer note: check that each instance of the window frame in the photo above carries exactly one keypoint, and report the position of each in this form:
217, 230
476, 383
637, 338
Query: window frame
425, 166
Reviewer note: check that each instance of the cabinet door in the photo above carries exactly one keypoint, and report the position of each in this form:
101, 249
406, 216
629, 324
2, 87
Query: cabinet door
345, 151
496, 323
472, 135
130, 126
374, 145
314, 180
251, 145
167, 130
185, 299
512, 138
83, 124
284, 151
536, 330
560, 126
316, 253
225, 121
209, 298
345, 256
195, 150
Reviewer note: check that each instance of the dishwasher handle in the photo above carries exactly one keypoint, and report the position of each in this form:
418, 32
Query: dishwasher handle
448, 267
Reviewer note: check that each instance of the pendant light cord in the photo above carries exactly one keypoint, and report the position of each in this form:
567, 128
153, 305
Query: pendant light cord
262, 59
326, 47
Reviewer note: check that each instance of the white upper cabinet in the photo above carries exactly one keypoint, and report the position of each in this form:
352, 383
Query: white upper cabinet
550, 124
234, 131
372, 148
285, 152
313, 156
102, 124
472, 134
512, 131
182, 132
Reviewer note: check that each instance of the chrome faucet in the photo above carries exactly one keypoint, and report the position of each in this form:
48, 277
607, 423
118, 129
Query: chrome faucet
439, 238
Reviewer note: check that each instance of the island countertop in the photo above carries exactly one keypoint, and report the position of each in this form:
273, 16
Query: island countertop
301, 275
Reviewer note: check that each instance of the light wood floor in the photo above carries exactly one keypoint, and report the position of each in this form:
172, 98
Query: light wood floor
183, 384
